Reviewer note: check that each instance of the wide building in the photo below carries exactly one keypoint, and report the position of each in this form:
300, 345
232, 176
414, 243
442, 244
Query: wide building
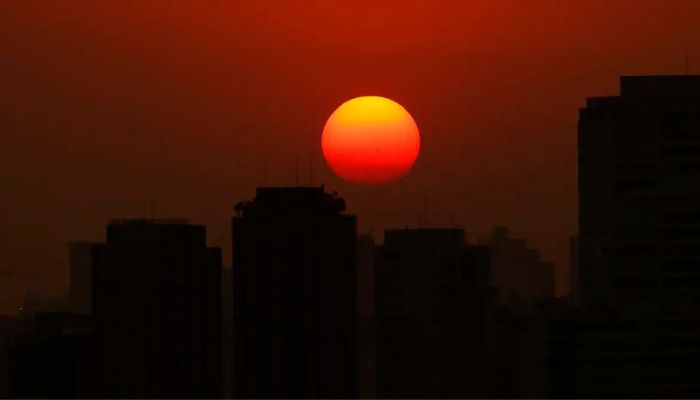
433, 302
639, 197
157, 311
295, 288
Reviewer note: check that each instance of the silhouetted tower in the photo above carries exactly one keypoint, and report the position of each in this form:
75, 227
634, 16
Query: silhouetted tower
295, 288
157, 311
639, 196
366, 250
433, 297
574, 270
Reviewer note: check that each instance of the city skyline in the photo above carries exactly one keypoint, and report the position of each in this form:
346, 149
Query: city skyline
223, 99
367, 199
314, 308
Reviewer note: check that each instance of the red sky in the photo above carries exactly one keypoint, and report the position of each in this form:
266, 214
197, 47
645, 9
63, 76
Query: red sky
166, 108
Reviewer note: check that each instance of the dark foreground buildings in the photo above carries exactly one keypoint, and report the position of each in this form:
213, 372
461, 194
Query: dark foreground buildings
157, 311
53, 359
366, 311
294, 276
637, 333
433, 299
317, 312
639, 196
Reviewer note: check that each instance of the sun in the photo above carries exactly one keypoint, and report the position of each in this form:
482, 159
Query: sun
370, 140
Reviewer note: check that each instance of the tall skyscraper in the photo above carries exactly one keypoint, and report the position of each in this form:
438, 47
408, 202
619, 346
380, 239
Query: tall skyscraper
433, 298
639, 196
366, 250
157, 311
574, 273
227, 330
295, 288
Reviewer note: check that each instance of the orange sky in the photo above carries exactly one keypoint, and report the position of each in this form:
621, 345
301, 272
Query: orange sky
169, 108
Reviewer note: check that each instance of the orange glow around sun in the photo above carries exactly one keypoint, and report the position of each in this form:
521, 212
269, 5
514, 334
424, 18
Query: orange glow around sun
370, 140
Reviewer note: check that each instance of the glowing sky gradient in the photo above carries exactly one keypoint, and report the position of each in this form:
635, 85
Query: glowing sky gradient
119, 109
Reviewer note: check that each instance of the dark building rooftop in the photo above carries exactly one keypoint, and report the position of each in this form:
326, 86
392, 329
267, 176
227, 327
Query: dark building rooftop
447, 236
146, 221
151, 231
655, 89
292, 199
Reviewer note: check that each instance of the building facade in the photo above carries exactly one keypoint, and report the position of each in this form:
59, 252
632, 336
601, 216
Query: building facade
639, 197
433, 301
157, 311
295, 289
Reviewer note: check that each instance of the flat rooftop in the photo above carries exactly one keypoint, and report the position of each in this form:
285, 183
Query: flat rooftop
148, 221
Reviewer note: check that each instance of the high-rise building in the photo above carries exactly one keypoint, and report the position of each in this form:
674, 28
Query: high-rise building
433, 299
227, 330
157, 311
295, 288
598, 355
639, 196
574, 270
366, 251
637, 259
517, 271
80, 269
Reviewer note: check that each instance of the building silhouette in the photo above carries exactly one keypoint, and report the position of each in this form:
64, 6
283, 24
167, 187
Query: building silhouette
636, 278
433, 300
10, 328
295, 288
639, 196
367, 343
157, 311
53, 359
606, 355
574, 270
227, 330
516, 269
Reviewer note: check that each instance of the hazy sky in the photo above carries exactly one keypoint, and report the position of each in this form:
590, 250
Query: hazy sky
169, 109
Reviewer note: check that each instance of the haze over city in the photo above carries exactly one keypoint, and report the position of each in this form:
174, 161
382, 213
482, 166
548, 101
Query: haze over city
373, 199
118, 109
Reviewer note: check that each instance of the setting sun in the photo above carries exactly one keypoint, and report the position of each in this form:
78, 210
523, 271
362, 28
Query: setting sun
370, 140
